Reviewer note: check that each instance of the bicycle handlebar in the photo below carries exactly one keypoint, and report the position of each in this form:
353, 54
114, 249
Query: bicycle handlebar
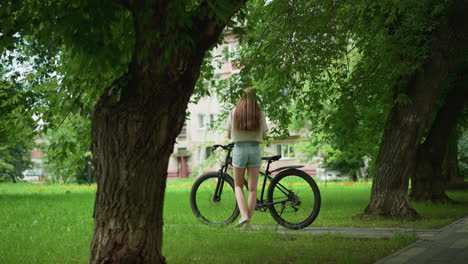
226, 147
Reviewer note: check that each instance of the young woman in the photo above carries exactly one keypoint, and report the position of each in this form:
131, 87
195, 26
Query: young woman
247, 127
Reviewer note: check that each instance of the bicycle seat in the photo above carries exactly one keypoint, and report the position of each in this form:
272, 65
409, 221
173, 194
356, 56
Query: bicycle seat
272, 158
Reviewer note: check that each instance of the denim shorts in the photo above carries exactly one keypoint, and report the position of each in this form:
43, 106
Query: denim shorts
247, 154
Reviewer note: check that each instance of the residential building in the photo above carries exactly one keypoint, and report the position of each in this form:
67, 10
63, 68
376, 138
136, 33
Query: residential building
36, 172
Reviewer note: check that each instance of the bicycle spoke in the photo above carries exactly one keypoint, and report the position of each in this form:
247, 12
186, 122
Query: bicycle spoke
214, 209
293, 201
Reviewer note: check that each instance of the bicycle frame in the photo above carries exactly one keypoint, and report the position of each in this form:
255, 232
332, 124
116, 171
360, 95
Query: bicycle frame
222, 171
261, 204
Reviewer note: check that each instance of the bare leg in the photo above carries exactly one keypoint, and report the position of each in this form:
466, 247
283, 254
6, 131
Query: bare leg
239, 189
253, 182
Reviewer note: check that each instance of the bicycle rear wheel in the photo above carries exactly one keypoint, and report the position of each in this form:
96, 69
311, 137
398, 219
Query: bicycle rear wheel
294, 199
209, 208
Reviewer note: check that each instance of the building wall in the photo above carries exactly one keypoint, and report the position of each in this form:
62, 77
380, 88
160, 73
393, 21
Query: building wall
198, 135
36, 172
287, 148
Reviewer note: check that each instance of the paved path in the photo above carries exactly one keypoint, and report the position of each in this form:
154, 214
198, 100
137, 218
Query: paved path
361, 232
447, 245
450, 245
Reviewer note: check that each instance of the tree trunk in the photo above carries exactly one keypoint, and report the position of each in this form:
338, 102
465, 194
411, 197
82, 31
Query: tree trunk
428, 183
135, 124
132, 142
450, 168
407, 122
13, 177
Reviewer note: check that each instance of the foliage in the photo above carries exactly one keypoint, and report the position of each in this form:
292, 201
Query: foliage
333, 63
348, 162
14, 160
67, 52
463, 154
78, 48
215, 160
15, 103
63, 71
16, 125
68, 150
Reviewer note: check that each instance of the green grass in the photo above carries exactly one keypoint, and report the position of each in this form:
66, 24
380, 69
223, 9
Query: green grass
340, 204
44, 226
54, 225
233, 246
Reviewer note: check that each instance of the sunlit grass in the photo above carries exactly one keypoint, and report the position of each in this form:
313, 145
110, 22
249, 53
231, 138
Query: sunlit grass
340, 205
54, 224
44, 226
224, 245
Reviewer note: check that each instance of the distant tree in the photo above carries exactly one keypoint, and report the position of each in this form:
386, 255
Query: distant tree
14, 160
68, 150
348, 162
16, 127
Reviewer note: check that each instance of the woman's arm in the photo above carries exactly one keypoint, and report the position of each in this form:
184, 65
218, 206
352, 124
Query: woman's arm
264, 126
229, 124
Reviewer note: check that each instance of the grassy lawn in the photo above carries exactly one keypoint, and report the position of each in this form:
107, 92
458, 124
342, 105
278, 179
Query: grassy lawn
340, 204
54, 225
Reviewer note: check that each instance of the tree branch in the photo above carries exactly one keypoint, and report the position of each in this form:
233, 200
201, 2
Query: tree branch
208, 27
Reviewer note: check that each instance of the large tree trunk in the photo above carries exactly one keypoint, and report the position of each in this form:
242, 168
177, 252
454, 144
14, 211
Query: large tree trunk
450, 168
428, 183
407, 122
135, 124
132, 142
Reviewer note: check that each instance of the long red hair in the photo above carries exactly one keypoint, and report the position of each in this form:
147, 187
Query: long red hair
247, 112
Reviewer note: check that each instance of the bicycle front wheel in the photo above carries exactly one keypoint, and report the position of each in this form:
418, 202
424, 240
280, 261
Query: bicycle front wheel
293, 199
212, 206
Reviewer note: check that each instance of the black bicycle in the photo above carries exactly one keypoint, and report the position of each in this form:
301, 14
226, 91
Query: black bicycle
293, 197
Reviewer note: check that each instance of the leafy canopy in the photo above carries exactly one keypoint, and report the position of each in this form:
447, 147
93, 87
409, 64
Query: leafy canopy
337, 64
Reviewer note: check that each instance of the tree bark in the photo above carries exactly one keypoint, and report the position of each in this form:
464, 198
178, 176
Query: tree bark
13, 178
132, 142
450, 168
135, 124
407, 122
429, 182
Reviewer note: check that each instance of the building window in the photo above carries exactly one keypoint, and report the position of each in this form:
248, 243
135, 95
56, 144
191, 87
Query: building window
183, 133
182, 151
205, 120
228, 52
201, 121
286, 150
